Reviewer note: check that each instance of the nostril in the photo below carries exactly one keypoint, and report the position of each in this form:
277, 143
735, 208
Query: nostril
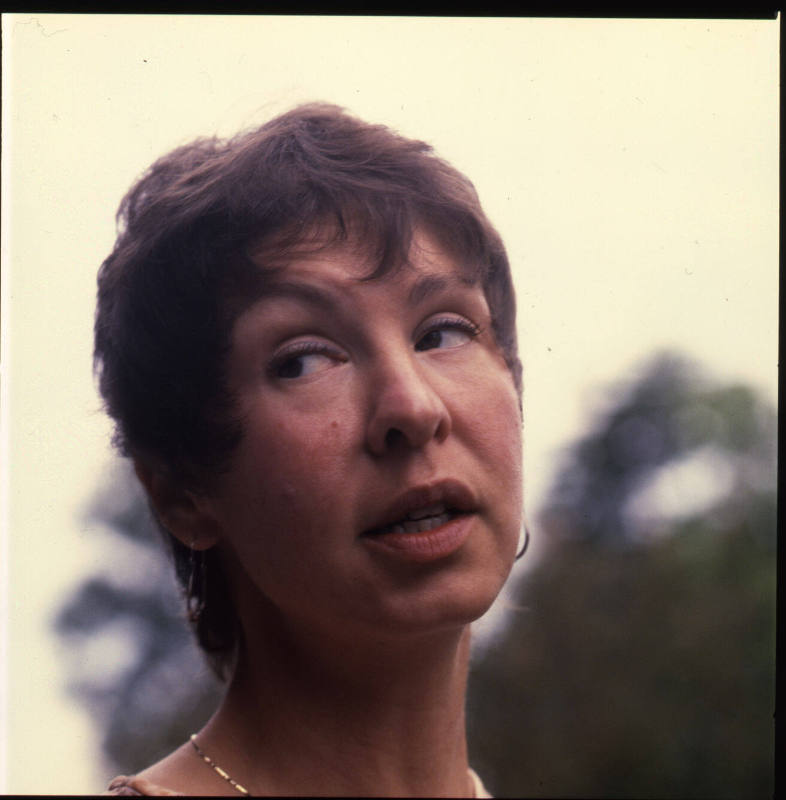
395, 438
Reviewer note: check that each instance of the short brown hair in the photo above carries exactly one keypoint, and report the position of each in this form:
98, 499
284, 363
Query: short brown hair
187, 262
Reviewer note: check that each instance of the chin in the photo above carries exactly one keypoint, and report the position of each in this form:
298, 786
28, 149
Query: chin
448, 602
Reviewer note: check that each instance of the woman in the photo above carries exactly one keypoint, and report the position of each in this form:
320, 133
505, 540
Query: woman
306, 338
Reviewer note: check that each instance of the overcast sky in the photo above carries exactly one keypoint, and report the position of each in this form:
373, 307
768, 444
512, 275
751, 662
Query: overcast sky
631, 167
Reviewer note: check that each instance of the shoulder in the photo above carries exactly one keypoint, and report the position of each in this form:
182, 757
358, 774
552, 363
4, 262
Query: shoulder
134, 786
172, 776
480, 790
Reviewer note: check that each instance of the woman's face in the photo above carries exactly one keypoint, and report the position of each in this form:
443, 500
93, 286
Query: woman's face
378, 484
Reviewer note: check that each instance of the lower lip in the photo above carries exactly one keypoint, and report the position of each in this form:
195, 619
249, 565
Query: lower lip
425, 546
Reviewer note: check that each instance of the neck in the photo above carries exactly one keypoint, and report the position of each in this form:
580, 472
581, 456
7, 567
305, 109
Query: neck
308, 715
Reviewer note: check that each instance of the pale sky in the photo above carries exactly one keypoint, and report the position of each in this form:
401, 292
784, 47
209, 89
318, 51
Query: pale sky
631, 167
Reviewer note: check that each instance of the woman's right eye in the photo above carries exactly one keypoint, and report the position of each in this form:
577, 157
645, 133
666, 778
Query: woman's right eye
305, 359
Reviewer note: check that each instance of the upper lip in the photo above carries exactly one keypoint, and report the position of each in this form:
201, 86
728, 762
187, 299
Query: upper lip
453, 494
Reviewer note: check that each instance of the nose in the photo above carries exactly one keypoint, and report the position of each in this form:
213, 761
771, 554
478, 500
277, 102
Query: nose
406, 411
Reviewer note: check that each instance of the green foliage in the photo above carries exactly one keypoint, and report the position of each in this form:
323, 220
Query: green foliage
666, 413
646, 672
641, 661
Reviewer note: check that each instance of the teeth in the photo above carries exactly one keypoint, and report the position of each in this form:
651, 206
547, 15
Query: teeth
426, 524
419, 525
428, 511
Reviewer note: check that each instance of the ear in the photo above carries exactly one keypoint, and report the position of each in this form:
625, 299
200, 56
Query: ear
184, 514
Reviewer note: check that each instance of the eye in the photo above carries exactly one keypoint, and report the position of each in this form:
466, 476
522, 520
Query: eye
447, 333
305, 358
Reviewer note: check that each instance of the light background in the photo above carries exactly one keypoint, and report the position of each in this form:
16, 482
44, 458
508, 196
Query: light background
631, 166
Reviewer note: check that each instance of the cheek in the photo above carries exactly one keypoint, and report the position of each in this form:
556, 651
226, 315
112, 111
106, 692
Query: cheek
287, 470
288, 443
495, 435
281, 509
492, 413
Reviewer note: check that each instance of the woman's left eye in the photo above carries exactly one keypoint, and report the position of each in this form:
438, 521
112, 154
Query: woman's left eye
446, 334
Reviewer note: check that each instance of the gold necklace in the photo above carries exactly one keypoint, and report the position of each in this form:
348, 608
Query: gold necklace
242, 789
209, 761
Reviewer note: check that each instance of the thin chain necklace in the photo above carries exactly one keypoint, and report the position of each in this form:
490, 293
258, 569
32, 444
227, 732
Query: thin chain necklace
209, 761
242, 789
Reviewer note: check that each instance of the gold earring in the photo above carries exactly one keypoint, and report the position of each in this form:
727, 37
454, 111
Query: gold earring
196, 593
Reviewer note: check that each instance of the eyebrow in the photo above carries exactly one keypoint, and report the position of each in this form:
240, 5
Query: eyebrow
428, 285
330, 298
307, 292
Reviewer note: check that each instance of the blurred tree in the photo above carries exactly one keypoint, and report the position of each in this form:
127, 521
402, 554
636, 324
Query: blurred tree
134, 662
641, 661
667, 415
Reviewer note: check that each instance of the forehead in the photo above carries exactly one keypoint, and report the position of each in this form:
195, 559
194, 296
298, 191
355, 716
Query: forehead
351, 262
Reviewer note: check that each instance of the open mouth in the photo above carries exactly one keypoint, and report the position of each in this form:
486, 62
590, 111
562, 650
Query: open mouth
424, 523
425, 534
419, 521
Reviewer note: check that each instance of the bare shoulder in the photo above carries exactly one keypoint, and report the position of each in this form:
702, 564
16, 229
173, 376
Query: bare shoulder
134, 786
180, 773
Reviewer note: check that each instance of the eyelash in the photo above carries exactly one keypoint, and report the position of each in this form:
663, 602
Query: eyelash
452, 323
300, 349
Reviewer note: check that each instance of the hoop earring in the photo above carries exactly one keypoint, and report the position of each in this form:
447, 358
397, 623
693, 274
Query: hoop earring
196, 596
523, 548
